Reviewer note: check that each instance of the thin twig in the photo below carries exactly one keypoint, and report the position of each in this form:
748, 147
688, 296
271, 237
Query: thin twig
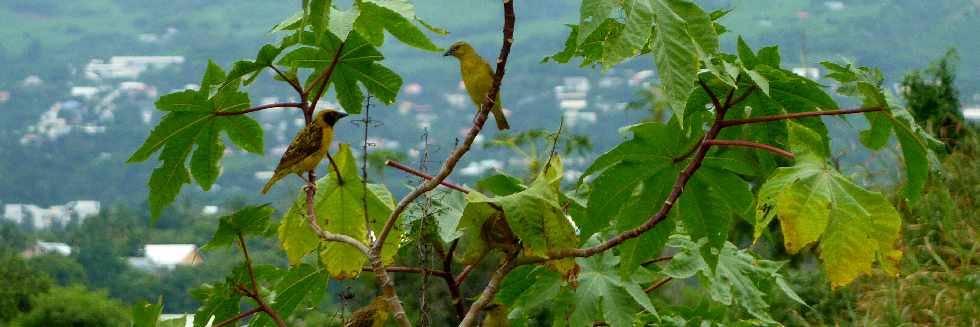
453, 285
654, 287
754, 145
656, 260
417, 173
262, 107
238, 317
465, 273
735, 122
254, 292
324, 78
554, 146
292, 82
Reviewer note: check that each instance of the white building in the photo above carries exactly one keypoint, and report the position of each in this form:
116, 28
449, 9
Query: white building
41, 218
166, 256
808, 72
128, 67
41, 247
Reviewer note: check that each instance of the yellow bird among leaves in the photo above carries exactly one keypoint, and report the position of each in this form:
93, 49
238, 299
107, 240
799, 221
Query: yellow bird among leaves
308, 147
478, 79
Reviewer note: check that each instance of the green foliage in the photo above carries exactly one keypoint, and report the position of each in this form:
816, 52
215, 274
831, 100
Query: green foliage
74, 307
640, 172
62, 269
682, 35
192, 118
534, 215
599, 295
918, 147
934, 101
249, 220
339, 209
15, 296
739, 277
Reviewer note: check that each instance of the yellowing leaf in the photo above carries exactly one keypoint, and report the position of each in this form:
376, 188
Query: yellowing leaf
815, 203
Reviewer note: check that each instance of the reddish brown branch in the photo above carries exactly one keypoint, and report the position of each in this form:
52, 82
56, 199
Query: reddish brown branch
454, 292
262, 107
654, 287
254, 292
238, 317
496, 280
734, 122
754, 145
413, 171
324, 78
292, 82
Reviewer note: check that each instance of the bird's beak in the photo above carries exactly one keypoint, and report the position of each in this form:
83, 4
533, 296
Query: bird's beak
342, 114
448, 53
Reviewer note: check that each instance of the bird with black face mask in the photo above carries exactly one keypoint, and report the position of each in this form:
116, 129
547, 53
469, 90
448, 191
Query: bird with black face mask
308, 148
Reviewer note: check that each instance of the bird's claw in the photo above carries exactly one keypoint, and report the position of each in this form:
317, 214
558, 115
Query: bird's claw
309, 187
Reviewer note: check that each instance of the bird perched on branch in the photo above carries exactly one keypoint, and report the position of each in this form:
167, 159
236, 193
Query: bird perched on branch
478, 78
308, 147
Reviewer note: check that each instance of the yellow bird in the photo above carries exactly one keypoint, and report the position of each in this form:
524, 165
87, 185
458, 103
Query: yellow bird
375, 314
478, 78
308, 147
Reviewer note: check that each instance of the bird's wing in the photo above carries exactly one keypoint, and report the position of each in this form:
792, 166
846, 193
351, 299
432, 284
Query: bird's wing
306, 143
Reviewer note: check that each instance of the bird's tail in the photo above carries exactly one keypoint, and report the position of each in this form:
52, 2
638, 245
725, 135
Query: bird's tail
272, 181
498, 115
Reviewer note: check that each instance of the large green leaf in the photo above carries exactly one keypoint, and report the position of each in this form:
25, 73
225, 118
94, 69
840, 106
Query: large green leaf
632, 182
251, 220
191, 123
603, 295
634, 36
357, 65
918, 147
739, 277
303, 283
395, 16
536, 217
146, 314
815, 203
675, 54
339, 209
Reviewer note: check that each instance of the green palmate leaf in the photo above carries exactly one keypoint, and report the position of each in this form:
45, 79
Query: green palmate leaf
448, 207
303, 283
536, 217
357, 65
395, 16
635, 35
339, 209
190, 123
318, 15
219, 302
342, 21
251, 69
146, 314
294, 22
472, 245
245, 132
815, 203
739, 278
637, 211
593, 14
675, 54
204, 162
918, 147
501, 184
633, 180
603, 295
251, 220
